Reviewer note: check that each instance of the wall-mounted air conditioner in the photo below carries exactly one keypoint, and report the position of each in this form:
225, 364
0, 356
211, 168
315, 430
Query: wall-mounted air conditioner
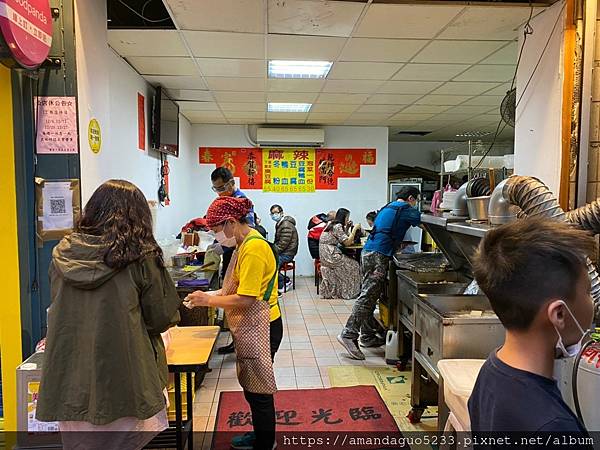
290, 137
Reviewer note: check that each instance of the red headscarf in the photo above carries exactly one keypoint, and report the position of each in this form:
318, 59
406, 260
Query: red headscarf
227, 208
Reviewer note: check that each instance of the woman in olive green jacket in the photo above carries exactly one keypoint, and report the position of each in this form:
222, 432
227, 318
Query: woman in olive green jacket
105, 364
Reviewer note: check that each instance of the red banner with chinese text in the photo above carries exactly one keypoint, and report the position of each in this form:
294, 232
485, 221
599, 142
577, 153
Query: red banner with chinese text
244, 163
333, 164
248, 164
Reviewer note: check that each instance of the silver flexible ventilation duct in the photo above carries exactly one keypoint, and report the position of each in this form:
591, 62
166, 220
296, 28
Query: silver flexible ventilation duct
535, 199
587, 217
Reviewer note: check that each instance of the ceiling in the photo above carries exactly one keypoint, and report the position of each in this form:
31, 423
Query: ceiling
438, 68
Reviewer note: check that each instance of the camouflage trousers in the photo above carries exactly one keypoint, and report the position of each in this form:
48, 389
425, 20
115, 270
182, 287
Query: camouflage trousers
361, 321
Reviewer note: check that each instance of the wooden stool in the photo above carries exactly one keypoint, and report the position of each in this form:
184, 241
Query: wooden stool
285, 268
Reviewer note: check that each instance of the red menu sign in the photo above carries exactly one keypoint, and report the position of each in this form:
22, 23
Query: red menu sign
27, 29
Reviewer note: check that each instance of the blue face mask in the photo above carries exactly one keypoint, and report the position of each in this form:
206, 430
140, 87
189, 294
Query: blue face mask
276, 217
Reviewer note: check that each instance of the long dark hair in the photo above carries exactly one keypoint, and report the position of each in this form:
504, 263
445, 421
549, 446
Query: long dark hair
340, 217
119, 213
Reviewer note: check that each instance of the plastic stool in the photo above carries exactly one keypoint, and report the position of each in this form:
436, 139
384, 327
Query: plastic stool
285, 268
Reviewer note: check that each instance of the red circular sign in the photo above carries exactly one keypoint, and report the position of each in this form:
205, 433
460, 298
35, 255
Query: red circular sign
27, 29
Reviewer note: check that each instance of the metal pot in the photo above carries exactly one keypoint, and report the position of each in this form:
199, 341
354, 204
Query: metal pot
181, 260
478, 208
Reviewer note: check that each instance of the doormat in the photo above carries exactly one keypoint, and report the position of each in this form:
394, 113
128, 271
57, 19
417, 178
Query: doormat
358, 411
393, 386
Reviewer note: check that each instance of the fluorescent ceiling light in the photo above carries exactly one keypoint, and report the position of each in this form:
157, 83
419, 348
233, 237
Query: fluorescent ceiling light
289, 107
299, 69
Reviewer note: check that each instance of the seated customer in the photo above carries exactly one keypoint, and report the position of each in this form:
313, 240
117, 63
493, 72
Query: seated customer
316, 225
371, 219
286, 241
340, 273
535, 276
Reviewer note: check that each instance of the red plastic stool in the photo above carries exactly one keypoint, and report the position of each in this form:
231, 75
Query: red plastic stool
285, 268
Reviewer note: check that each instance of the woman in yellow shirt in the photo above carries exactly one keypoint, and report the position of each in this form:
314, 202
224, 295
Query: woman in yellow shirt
249, 298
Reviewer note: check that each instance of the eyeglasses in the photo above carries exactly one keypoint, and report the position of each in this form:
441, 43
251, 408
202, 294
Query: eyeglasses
222, 188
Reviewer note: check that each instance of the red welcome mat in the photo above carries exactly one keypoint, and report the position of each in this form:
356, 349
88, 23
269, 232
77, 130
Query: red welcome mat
325, 415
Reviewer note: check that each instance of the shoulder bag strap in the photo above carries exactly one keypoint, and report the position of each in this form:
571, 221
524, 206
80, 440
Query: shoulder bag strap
271, 284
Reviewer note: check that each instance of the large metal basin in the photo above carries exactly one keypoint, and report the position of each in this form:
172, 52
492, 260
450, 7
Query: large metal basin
413, 283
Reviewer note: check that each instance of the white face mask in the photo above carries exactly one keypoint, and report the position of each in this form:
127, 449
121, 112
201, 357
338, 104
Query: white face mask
571, 350
224, 240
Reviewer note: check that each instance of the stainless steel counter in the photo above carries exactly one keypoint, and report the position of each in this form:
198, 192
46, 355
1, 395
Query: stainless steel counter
441, 219
471, 229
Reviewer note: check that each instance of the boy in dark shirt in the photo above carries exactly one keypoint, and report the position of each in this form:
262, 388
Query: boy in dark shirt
534, 274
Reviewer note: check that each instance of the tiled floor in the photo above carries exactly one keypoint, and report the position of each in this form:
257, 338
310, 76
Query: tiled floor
309, 347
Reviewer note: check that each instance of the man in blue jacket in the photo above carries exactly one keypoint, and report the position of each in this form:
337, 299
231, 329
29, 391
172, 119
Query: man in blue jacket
389, 229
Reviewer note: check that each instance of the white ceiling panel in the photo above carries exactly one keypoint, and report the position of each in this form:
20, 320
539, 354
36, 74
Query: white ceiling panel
352, 86
381, 50
295, 121
454, 118
254, 115
500, 90
303, 48
456, 52
242, 16
333, 108
506, 55
214, 67
352, 99
309, 17
294, 85
287, 116
198, 106
478, 22
470, 109
239, 97
204, 117
363, 71
424, 109
188, 94
411, 116
485, 100
464, 88
245, 121
318, 117
443, 100
480, 72
365, 120
257, 107
380, 109
236, 84
430, 72
408, 87
146, 43
213, 44
148, 65
292, 97
176, 82
406, 21
392, 99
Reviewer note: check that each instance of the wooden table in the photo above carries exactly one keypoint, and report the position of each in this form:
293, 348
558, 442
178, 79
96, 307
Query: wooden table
189, 352
356, 249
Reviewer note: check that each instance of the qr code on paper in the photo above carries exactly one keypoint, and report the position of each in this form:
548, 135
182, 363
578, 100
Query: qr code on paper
57, 206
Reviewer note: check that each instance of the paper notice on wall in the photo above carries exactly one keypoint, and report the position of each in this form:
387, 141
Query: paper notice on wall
56, 121
58, 205
34, 425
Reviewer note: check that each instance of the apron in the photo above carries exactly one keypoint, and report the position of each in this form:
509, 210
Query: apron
250, 328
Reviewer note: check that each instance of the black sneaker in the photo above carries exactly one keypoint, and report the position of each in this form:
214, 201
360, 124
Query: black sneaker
226, 349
